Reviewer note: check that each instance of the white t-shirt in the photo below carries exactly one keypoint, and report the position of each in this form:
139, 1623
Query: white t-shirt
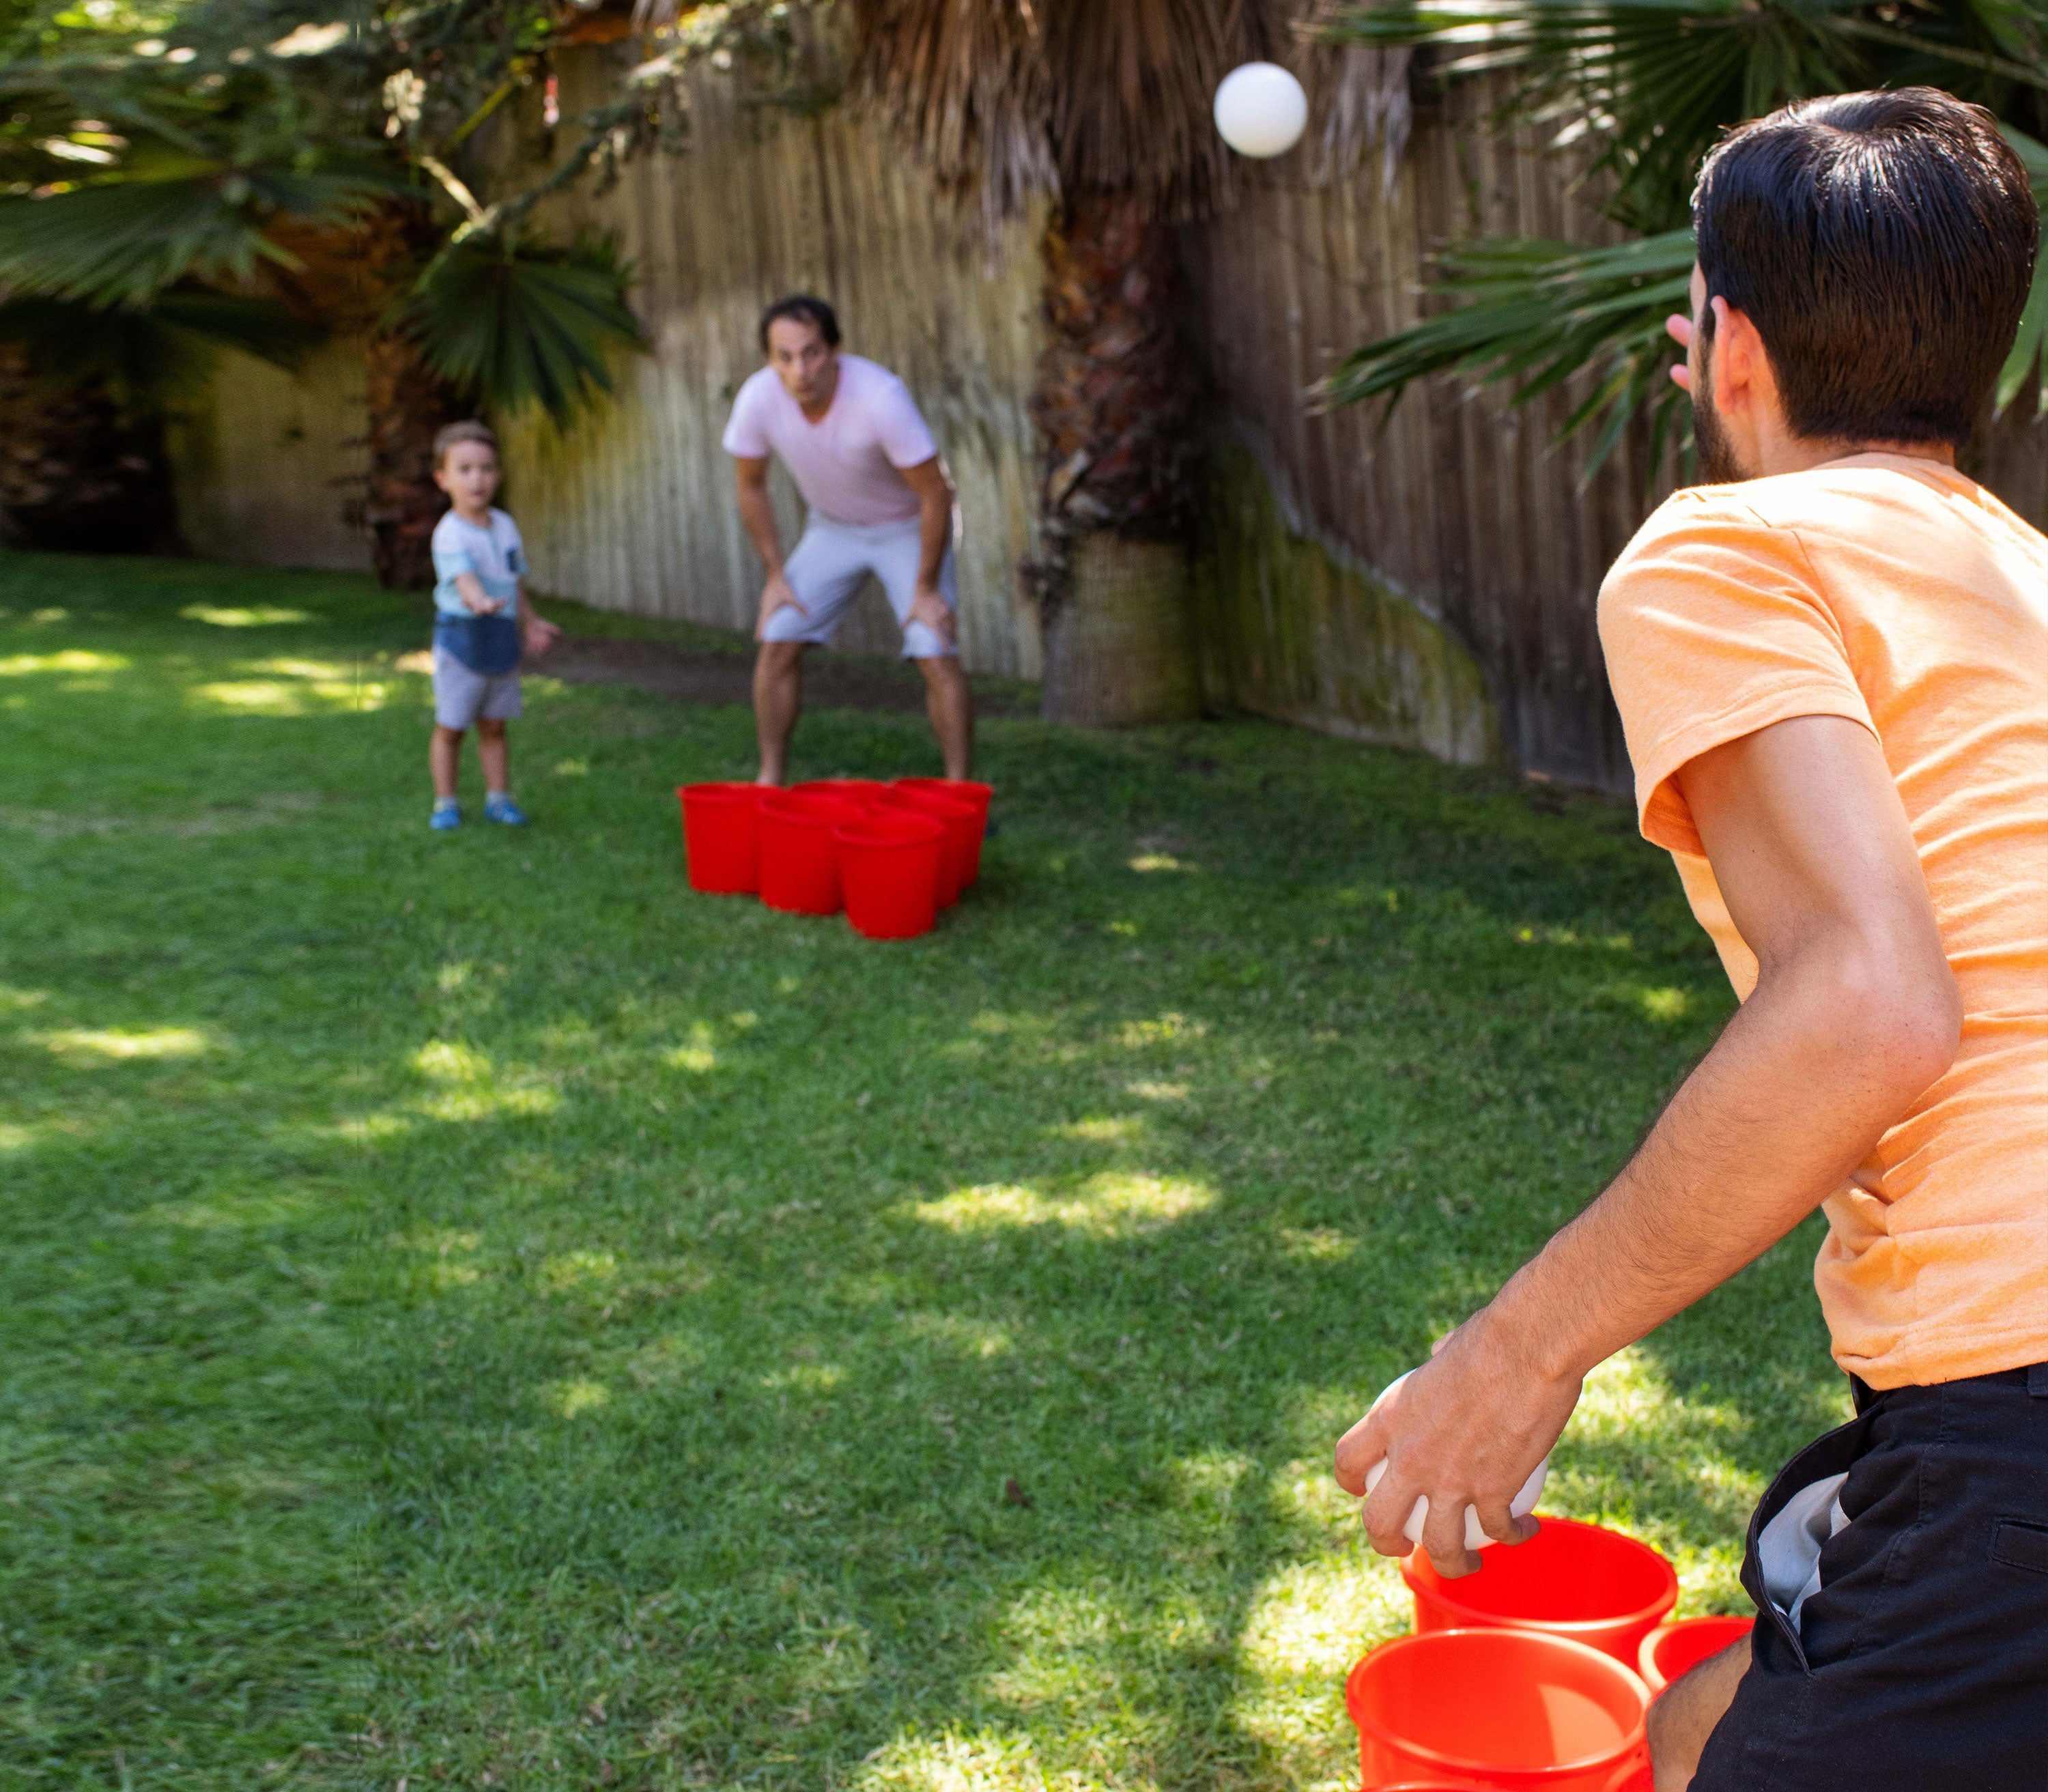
847, 464
496, 555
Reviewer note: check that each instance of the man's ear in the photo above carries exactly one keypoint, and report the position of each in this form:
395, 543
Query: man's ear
1742, 370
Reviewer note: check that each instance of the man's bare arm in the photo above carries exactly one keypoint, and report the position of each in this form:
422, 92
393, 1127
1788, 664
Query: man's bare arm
935, 520
1854, 1012
757, 517
757, 513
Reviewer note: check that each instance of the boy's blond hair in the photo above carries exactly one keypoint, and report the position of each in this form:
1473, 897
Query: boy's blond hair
469, 431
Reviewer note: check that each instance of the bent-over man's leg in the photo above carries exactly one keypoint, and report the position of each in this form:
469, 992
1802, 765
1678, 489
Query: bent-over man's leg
948, 698
825, 570
949, 701
778, 700
1684, 1715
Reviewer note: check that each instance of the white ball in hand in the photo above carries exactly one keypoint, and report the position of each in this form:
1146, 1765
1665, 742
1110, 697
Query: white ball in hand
1261, 110
1521, 1506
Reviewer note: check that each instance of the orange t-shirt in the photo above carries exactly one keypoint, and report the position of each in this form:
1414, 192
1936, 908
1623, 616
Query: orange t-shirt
1898, 592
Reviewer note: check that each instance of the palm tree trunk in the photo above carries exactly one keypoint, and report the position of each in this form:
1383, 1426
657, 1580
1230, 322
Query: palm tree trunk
1114, 403
408, 404
78, 470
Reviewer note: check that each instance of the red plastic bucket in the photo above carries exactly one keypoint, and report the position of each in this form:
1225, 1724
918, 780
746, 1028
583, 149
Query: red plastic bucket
1675, 1648
866, 791
889, 872
719, 837
1580, 1581
1497, 1708
799, 872
962, 820
960, 790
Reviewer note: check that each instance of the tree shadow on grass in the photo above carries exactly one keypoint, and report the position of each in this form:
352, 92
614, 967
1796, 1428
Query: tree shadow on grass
694, 1284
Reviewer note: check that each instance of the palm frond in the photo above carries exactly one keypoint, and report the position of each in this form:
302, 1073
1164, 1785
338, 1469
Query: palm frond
518, 325
1537, 314
1641, 90
148, 359
2029, 358
1008, 98
1649, 84
124, 242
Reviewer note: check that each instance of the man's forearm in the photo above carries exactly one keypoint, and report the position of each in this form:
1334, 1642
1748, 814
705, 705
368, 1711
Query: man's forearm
935, 535
1820, 1061
756, 516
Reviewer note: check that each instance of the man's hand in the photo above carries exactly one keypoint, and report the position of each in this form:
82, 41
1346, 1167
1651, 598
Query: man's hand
1466, 1429
1679, 328
775, 595
930, 608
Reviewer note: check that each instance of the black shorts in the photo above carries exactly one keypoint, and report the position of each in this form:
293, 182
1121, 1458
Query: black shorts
1921, 1663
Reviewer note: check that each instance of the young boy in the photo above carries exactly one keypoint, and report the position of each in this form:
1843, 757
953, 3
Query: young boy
482, 620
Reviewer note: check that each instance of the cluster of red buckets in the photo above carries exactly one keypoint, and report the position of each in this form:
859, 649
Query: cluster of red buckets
892, 855
1537, 1672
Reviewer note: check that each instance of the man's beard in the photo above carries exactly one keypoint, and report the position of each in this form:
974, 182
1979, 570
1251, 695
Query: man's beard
1711, 446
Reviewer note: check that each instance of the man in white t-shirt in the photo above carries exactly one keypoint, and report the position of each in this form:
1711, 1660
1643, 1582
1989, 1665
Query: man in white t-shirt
878, 502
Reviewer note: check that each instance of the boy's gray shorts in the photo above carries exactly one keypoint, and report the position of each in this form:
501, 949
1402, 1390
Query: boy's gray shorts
463, 698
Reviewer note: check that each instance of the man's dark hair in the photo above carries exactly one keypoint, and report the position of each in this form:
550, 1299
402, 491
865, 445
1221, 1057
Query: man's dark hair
804, 309
1882, 244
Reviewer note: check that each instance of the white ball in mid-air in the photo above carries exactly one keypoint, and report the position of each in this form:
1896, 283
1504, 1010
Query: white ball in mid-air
1261, 110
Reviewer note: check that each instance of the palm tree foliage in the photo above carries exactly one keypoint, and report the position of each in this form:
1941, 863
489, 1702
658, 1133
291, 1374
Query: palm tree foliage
526, 328
1638, 91
152, 158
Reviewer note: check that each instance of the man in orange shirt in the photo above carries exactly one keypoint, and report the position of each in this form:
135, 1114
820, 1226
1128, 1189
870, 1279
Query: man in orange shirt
1832, 663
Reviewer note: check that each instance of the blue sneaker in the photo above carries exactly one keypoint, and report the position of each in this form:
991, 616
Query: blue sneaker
445, 815
503, 809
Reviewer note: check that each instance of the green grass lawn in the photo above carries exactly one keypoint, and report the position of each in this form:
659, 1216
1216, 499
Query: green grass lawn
475, 1313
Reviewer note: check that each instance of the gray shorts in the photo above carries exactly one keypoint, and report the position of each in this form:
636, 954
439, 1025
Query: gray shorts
826, 570
463, 698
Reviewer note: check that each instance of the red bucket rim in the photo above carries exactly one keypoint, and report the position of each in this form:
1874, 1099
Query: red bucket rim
1458, 1767
923, 828
794, 806
1646, 1655
965, 808
963, 784
1439, 1589
724, 790
843, 788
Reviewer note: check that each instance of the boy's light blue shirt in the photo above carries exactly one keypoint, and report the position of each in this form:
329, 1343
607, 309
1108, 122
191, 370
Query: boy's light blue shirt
496, 555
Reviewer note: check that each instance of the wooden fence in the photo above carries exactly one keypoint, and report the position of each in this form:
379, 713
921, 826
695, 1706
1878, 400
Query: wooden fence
1469, 543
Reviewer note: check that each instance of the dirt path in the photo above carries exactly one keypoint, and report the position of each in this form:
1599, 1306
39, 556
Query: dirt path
830, 681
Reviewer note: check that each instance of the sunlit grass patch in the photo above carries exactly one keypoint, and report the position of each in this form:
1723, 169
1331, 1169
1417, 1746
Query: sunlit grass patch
567, 1332
84, 1045
571, 1399
470, 1087
233, 1207
1663, 1004
1112, 1203
309, 692
254, 615
68, 660
953, 1763
1102, 1128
